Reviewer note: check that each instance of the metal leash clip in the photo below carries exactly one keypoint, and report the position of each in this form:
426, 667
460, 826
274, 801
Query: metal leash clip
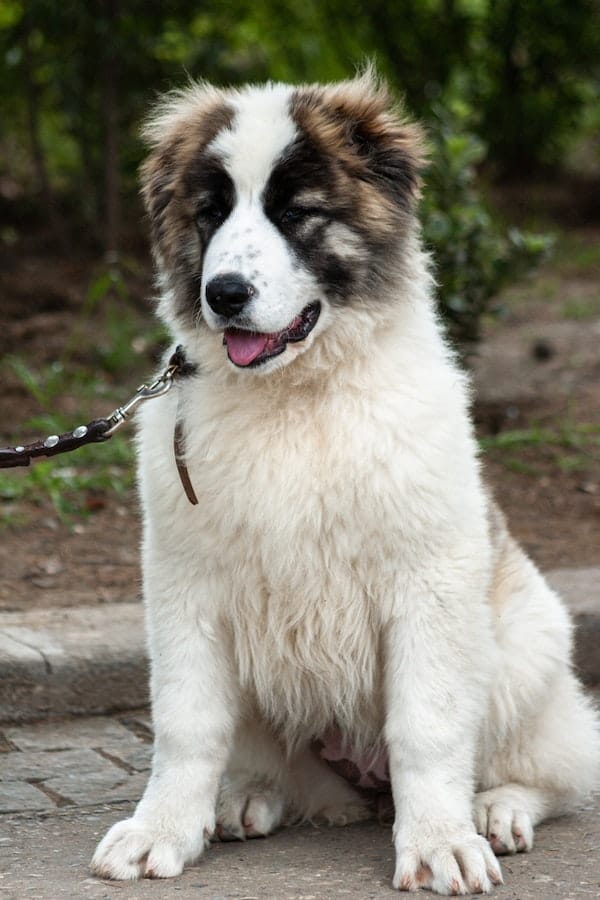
145, 392
98, 430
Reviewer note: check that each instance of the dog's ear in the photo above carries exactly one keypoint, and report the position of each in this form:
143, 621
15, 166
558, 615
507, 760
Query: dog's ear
379, 144
177, 130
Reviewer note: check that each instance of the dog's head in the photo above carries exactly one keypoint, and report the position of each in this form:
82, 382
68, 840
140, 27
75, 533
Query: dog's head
274, 207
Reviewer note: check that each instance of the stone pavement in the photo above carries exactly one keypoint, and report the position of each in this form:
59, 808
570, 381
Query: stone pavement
73, 763
62, 784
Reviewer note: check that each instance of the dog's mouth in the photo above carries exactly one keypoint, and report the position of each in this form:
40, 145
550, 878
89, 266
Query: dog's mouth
251, 348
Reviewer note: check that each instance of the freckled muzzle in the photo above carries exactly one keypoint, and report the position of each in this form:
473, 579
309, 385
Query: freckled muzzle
250, 348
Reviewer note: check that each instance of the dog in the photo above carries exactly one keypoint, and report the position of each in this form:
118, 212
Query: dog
345, 577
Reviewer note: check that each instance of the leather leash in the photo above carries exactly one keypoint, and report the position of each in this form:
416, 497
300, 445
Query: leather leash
99, 430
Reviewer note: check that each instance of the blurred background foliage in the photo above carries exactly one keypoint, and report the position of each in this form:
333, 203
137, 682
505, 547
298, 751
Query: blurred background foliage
507, 88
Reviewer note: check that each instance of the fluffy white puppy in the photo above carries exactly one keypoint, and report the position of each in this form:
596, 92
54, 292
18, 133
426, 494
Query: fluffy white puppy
345, 571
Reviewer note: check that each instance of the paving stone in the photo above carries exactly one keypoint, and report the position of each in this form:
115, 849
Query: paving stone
97, 732
106, 785
83, 761
18, 796
132, 788
46, 857
139, 723
140, 758
37, 639
41, 765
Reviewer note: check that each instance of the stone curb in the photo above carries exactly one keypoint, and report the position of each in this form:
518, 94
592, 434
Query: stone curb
92, 660
73, 661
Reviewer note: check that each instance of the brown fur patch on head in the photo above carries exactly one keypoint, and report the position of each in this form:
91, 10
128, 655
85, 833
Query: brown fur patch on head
356, 123
179, 129
361, 159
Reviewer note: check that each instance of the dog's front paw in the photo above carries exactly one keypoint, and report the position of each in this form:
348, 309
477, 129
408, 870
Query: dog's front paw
133, 849
448, 860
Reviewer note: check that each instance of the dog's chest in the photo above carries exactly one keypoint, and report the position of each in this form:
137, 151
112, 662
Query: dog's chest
294, 488
308, 658
304, 517
294, 517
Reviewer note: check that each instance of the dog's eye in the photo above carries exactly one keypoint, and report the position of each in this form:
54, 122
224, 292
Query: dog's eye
295, 214
212, 213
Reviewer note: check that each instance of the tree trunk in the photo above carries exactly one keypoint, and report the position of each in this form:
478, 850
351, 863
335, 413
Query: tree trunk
110, 81
33, 126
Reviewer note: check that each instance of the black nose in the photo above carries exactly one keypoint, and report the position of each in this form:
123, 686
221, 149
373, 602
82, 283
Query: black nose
228, 294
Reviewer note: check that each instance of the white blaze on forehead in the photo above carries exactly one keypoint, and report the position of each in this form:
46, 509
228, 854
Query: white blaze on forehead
248, 244
260, 132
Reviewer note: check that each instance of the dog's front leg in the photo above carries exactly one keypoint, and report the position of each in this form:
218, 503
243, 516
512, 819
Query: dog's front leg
435, 701
194, 711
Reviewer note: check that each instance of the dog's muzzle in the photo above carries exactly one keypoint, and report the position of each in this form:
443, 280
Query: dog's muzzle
227, 295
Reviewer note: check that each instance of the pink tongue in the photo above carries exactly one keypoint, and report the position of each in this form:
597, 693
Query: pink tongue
244, 346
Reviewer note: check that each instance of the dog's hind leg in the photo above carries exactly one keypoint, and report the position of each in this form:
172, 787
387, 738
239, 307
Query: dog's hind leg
251, 799
248, 807
506, 816
545, 770
264, 787
318, 794
541, 743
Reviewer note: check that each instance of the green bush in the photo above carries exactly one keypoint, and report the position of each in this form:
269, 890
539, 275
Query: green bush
474, 256
535, 71
77, 78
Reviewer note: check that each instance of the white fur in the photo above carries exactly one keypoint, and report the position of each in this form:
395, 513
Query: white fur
251, 247
248, 245
344, 565
261, 130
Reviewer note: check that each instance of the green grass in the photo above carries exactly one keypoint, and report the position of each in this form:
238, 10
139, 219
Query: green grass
577, 254
582, 308
105, 357
68, 482
570, 445
568, 434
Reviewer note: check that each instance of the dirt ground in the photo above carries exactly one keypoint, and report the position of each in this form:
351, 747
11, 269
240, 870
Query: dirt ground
537, 370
